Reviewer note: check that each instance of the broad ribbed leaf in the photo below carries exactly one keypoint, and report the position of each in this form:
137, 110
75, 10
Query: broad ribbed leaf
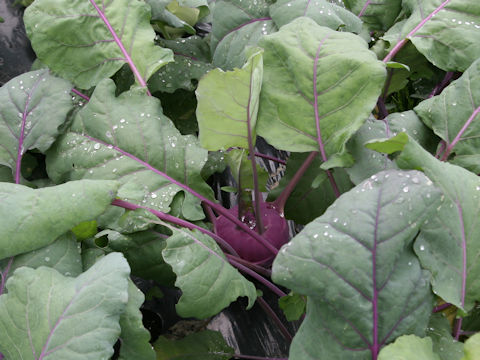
238, 25
31, 219
448, 244
27, 120
453, 115
364, 284
62, 255
324, 13
134, 338
129, 139
228, 105
87, 41
409, 347
47, 316
451, 39
378, 14
319, 87
208, 282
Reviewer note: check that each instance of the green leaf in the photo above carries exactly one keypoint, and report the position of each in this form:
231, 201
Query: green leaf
472, 348
31, 219
204, 345
134, 338
293, 306
313, 194
208, 282
439, 330
321, 11
451, 39
397, 65
49, 316
85, 230
228, 105
364, 284
24, 124
129, 139
241, 169
312, 75
388, 146
452, 114
447, 244
409, 347
62, 255
72, 38
192, 60
378, 15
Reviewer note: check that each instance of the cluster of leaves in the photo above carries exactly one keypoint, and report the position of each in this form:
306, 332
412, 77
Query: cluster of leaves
112, 181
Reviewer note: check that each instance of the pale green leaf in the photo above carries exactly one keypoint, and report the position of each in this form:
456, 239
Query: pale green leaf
228, 105
314, 75
472, 348
208, 282
46, 315
388, 146
34, 106
364, 284
73, 38
293, 306
31, 219
409, 347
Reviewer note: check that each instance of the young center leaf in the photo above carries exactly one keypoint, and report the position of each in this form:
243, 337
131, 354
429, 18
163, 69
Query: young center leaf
228, 105
31, 219
409, 347
364, 284
26, 117
87, 41
208, 282
448, 243
46, 315
319, 87
129, 139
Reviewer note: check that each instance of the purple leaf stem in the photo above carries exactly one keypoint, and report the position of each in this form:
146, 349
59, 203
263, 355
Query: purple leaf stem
256, 276
282, 199
128, 59
218, 208
360, 14
210, 215
454, 142
401, 43
177, 221
441, 148
317, 120
457, 328
83, 96
441, 85
286, 334
382, 109
257, 268
268, 157
442, 307
250, 357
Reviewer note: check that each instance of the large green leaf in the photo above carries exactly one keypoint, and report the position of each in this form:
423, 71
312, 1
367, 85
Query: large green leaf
315, 77
208, 282
46, 315
324, 13
129, 139
409, 347
378, 15
448, 244
31, 219
134, 338
452, 116
85, 42
472, 348
451, 39
228, 105
62, 255
440, 331
364, 284
34, 106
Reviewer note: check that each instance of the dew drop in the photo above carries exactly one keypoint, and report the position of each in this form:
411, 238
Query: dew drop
96, 146
154, 195
47, 259
315, 236
335, 220
415, 180
122, 120
422, 247
108, 134
405, 189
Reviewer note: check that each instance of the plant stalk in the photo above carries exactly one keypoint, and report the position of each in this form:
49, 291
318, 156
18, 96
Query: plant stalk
286, 334
83, 96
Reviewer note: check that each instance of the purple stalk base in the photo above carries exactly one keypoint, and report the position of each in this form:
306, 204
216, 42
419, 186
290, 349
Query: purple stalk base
440, 86
268, 157
360, 14
255, 267
275, 318
441, 148
83, 96
382, 109
118, 41
454, 142
442, 307
457, 328
401, 43
218, 208
177, 221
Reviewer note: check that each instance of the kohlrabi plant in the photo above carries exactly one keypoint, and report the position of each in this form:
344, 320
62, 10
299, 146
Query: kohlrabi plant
115, 147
